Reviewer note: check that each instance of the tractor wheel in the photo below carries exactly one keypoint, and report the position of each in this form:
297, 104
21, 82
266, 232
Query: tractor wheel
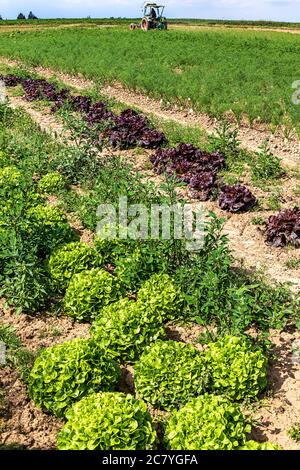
132, 27
163, 26
145, 24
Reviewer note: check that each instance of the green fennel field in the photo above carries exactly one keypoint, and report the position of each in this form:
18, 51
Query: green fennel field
213, 71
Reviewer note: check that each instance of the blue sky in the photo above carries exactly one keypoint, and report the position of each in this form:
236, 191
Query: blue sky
279, 10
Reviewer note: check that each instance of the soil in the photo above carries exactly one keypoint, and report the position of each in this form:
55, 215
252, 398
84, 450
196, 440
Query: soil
278, 413
21, 422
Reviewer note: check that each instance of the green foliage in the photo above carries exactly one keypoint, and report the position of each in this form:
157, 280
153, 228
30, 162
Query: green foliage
231, 298
266, 166
202, 56
258, 221
163, 296
78, 161
149, 258
204, 278
225, 140
294, 432
293, 264
125, 328
26, 285
253, 445
14, 190
100, 188
71, 259
28, 231
88, 292
169, 374
48, 228
208, 422
138, 266
237, 369
16, 355
10, 179
112, 249
136, 262
253, 300
108, 421
67, 372
51, 183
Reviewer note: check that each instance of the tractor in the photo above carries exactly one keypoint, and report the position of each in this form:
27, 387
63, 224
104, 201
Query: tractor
152, 18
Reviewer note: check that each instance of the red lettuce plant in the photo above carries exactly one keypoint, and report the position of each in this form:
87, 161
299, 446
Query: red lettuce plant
284, 228
236, 198
11, 80
192, 165
132, 128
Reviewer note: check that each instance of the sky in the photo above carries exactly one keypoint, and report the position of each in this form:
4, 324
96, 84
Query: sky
276, 10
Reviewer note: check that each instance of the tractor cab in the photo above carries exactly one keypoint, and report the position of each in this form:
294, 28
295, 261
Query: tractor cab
153, 17
154, 11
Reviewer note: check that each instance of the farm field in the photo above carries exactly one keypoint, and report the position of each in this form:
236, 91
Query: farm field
146, 332
250, 74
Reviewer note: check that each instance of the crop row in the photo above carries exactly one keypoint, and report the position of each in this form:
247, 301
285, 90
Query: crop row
191, 70
77, 381
195, 167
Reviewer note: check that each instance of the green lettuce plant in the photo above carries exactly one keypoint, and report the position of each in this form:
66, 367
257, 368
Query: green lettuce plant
137, 266
67, 372
160, 294
11, 178
169, 374
113, 249
15, 193
238, 369
253, 445
108, 421
134, 263
48, 228
208, 422
71, 259
126, 328
88, 292
51, 183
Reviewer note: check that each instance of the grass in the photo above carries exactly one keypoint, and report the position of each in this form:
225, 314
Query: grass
260, 221
293, 264
294, 432
246, 72
274, 202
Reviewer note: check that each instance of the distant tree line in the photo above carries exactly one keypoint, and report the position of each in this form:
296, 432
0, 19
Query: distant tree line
31, 16
21, 16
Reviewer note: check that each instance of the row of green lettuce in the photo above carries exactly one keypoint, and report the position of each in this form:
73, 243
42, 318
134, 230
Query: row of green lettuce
79, 381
